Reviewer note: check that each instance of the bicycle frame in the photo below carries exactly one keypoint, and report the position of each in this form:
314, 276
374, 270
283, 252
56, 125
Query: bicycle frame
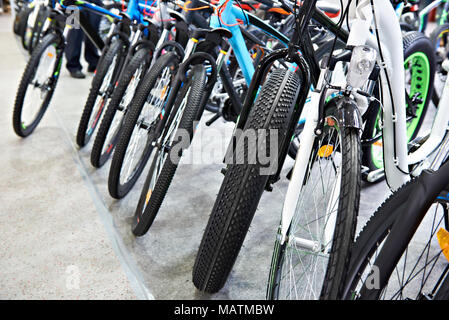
229, 20
134, 11
396, 157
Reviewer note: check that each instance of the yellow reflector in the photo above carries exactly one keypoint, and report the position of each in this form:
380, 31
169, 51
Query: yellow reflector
443, 240
148, 196
325, 151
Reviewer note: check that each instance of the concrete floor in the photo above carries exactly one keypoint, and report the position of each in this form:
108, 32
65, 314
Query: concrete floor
57, 218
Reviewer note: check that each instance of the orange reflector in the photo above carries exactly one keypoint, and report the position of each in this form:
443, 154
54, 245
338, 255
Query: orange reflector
50, 54
163, 91
443, 240
330, 122
147, 198
325, 151
378, 143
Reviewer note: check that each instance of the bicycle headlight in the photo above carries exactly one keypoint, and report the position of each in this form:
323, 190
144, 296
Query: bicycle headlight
362, 63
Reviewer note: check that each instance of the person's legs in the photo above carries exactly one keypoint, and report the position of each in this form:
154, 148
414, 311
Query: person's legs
90, 51
73, 50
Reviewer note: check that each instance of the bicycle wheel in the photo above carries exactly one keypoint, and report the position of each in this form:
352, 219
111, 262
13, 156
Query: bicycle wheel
312, 262
37, 85
110, 126
244, 183
419, 266
419, 62
165, 163
134, 145
440, 41
100, 92
21, 20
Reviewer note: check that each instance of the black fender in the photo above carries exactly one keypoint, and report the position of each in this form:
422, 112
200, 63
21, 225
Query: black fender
200, 58
143, 44
348, 113
179, 50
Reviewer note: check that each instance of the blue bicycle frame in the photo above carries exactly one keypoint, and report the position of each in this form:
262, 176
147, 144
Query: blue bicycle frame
135, 9
229, 20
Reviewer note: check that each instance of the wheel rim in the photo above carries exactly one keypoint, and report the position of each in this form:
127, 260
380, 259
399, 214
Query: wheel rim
417, 83
39, 87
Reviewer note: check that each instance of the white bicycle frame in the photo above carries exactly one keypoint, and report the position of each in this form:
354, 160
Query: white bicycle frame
396, 158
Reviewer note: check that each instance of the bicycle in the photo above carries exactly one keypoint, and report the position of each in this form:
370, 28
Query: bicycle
131, 34
400, 163
112, 122
243, 184
324, 145
167, 155
33, 29
43, 69
157, 93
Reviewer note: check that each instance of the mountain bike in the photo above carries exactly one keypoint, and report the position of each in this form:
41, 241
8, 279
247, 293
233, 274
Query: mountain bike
134, 147
35, 17
167, 156
317, 225
132, 33
22, 10
42, 71
274, 107
130, 78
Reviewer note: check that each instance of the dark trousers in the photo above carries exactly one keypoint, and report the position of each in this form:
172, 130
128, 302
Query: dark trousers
75, 38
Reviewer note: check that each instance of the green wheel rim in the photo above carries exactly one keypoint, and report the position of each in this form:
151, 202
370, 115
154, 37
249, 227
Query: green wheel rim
418, 67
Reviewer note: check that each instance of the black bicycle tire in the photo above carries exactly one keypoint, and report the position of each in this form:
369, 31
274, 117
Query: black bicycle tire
27, 75
242, 187
116, 189
116, 49
142, 222
98, 157
22, 22
434, 38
